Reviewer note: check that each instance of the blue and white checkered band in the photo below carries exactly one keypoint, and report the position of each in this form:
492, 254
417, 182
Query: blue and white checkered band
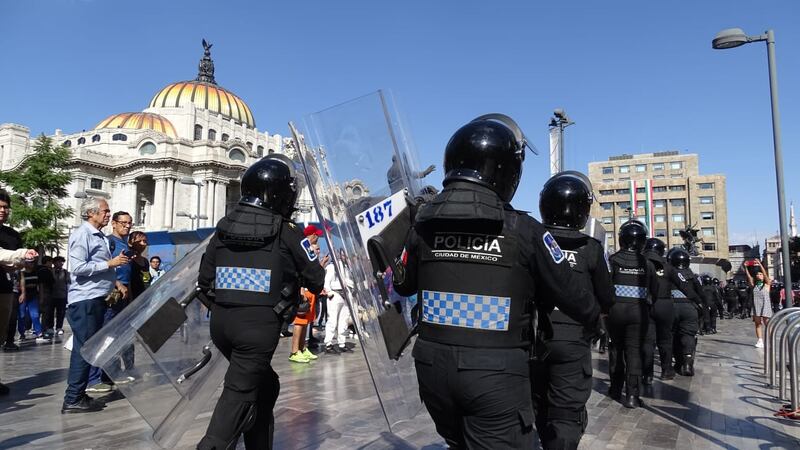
630, 291
243, 279
481, 312
677, 293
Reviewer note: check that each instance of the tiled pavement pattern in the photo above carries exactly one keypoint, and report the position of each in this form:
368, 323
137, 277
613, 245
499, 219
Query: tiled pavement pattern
330, 404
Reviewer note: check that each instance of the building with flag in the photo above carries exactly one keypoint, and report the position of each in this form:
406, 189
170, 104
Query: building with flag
665, 191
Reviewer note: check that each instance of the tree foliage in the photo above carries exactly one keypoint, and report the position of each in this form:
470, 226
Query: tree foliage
37, 185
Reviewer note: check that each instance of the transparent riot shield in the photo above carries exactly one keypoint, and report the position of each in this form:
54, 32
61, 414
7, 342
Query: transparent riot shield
158, 352
361, 169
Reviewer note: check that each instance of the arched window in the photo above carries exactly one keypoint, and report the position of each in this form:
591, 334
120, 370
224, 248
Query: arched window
224, 137
96, 138
81, 140
67, 143
212, 134
250, 146
260, 151
237, 155
147, 149
198, 132
270, 151
119, 137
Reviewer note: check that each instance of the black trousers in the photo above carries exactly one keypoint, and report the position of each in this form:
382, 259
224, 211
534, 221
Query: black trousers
627, 324
12, 321
477, 397
659, 333
733, 303
53, 310
684, 329
561, 383
247, 336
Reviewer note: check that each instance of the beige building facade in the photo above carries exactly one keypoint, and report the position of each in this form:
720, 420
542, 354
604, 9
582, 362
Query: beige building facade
666, 191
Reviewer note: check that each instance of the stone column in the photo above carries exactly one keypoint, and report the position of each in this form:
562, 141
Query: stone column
211, 189
220, 200
131, 200
202, 193
159, 201
169, 205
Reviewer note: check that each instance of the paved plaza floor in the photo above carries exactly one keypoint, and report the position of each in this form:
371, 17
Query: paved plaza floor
331, 404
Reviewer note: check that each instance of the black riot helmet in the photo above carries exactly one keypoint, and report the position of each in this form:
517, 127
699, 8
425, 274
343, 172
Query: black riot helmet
705, 279
655, 245
632, 235
566, 199
679, 258
488, 151
715, 281
272, 183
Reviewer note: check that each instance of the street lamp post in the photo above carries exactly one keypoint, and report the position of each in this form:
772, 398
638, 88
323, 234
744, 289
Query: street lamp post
735, 37
558, 122
199, 184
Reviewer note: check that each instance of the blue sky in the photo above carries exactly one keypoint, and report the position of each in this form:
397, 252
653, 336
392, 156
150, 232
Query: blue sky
636, 76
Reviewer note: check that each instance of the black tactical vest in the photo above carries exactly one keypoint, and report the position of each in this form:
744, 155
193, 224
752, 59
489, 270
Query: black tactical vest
629, 276
247, 275
578, 254
477, 292
665, 284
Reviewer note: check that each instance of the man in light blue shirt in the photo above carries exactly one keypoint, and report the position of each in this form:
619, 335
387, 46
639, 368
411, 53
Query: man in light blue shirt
92, 278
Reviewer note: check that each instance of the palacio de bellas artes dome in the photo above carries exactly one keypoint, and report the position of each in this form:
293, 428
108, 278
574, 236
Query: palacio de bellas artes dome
195, 137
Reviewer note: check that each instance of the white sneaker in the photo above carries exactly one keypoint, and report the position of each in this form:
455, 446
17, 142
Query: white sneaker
760, 344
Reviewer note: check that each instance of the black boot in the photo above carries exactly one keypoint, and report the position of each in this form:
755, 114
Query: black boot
632, 400
687, 368
667, 373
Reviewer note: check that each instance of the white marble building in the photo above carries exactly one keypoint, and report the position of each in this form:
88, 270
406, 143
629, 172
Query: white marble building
141, 162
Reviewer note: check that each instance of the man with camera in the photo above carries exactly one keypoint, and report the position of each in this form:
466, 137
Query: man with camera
121, 223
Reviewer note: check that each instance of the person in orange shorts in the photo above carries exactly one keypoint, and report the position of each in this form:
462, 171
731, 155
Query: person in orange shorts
300, 352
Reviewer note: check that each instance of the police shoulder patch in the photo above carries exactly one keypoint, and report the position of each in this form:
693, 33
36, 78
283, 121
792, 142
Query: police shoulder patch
310, 254
680, 275
552, 246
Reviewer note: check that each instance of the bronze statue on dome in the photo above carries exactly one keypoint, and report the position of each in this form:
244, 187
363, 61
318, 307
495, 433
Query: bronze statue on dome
206, 69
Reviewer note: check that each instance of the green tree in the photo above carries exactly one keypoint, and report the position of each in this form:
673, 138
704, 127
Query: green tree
36, 186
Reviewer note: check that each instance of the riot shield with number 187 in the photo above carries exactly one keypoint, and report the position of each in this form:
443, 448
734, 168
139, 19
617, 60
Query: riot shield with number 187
361, 170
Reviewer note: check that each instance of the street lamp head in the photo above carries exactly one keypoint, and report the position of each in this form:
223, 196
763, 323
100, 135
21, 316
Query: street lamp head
202, 217
183, 214
729, 38
81, 194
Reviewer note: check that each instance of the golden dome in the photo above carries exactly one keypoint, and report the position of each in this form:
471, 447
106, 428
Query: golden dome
139, 121
206, 96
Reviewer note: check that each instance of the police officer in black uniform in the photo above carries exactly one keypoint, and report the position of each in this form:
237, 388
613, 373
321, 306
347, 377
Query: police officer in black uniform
718, 298
476, 265
745, 299
659, 331
731, 298
688, 304
709, 292
562, 372
253, 269
635, 285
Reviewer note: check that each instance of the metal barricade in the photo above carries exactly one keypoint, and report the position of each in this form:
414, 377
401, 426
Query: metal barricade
770, 346
794, 340
769, 342
781, 347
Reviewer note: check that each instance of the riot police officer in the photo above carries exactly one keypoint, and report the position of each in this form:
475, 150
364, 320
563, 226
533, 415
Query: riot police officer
687, 305
659, 331
562, 372
718, 298
710, 310
745, 299
253, 268
635, 285
731, 298
476, 264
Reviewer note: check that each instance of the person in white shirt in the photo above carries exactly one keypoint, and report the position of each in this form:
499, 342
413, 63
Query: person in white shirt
338, 312
155, 269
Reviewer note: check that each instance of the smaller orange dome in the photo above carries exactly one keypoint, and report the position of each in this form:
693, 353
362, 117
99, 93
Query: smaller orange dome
139, 121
